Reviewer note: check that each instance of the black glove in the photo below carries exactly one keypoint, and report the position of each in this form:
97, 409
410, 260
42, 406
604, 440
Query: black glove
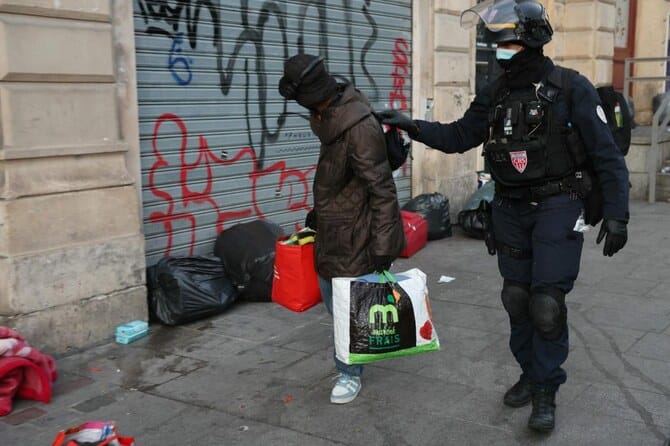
382, 263
396, 119
617, 236
310, 219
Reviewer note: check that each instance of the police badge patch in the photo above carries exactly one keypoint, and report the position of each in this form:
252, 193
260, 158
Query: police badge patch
519, 160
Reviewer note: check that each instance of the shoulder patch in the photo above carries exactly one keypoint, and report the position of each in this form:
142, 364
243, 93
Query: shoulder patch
601, 114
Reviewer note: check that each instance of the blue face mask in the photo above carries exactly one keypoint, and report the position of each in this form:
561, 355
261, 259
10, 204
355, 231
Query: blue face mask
505, 53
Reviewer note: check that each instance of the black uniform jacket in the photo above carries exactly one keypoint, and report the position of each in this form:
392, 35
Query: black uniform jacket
583, 111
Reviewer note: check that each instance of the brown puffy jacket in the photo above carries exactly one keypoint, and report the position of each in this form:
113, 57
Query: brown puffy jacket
355, 198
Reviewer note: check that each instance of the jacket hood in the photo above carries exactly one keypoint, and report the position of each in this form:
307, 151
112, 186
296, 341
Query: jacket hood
351, 108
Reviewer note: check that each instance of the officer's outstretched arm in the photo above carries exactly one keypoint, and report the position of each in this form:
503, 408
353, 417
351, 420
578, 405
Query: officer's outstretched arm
456, 137
461, 135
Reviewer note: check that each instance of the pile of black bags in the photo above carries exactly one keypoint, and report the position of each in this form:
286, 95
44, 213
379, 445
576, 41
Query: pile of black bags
184, 289
434, 208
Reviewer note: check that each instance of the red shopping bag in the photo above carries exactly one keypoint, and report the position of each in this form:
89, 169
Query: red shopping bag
416, 232
295, 284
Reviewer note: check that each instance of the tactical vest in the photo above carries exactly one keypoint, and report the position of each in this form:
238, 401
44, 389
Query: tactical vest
529, 144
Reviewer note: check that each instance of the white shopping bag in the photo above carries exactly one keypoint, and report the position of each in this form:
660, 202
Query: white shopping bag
381, 316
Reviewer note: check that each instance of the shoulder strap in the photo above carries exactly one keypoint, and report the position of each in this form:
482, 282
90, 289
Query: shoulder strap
558, 79
497, 89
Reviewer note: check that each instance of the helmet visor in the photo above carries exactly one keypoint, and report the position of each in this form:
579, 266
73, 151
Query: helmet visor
496, 15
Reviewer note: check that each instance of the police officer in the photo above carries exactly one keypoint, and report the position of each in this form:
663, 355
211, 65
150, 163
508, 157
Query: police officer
548, 146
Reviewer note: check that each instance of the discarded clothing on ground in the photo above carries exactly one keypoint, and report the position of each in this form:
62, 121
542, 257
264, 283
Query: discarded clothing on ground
25, 373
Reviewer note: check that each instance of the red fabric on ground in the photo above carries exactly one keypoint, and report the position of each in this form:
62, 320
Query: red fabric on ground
24, 371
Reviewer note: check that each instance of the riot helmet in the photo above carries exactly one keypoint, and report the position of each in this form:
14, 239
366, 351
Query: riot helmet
523, 21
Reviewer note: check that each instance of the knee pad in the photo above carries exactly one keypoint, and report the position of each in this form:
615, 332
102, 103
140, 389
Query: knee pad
548, 313
515, 298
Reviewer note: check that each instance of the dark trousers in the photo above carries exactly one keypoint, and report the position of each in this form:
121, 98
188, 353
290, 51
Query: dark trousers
546, 254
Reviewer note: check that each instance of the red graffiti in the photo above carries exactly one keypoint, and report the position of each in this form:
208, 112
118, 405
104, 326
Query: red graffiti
196, 196
397, 98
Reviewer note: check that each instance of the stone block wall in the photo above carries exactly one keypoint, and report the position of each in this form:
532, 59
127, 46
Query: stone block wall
651, 40
444, 73
584, 37
71, 248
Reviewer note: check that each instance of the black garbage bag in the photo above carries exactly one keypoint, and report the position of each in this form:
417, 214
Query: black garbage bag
183, 289
471, 219
247, 251
434, 208
472, 222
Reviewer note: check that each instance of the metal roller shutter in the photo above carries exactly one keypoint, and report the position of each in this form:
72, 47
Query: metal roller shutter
219, 145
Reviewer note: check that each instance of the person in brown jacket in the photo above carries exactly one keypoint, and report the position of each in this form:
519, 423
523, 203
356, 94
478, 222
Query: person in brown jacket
357, 213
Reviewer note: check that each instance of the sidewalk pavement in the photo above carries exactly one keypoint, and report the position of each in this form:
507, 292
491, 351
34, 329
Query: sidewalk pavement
260, 374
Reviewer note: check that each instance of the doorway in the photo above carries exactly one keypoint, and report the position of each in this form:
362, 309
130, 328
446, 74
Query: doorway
624, 39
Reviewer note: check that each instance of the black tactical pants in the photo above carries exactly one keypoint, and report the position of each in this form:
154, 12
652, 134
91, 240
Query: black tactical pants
538, 256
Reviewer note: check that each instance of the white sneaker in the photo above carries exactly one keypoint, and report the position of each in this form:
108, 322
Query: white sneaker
346, 389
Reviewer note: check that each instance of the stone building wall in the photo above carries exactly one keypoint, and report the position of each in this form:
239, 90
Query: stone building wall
651, 40
71, 248
444, 72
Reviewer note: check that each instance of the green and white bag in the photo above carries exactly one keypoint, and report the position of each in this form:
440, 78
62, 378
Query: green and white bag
381, 316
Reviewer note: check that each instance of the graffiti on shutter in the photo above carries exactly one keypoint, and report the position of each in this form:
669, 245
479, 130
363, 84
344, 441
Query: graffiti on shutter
219, 144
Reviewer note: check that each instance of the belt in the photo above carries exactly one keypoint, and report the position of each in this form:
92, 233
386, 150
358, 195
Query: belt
565, 185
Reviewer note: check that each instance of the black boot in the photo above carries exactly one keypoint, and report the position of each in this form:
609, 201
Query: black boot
519, 394
542, 417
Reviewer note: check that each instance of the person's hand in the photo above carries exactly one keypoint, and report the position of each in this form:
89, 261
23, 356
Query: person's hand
395, 118
382, 263
615, 233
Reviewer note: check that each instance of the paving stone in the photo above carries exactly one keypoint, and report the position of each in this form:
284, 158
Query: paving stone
600, 337
477, 373
623, 285
575, 427
372, 422
135, 367
253, 381
68, 383
591, 297
309, 336
201, 345
19, 435
472, 316
473, 343
629, 404
135, 412
635, 320
661, 291
411, 392
17, 417
253, 328
94, 403
652, 345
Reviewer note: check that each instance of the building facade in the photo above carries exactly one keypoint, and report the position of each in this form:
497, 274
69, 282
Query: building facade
130, 130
